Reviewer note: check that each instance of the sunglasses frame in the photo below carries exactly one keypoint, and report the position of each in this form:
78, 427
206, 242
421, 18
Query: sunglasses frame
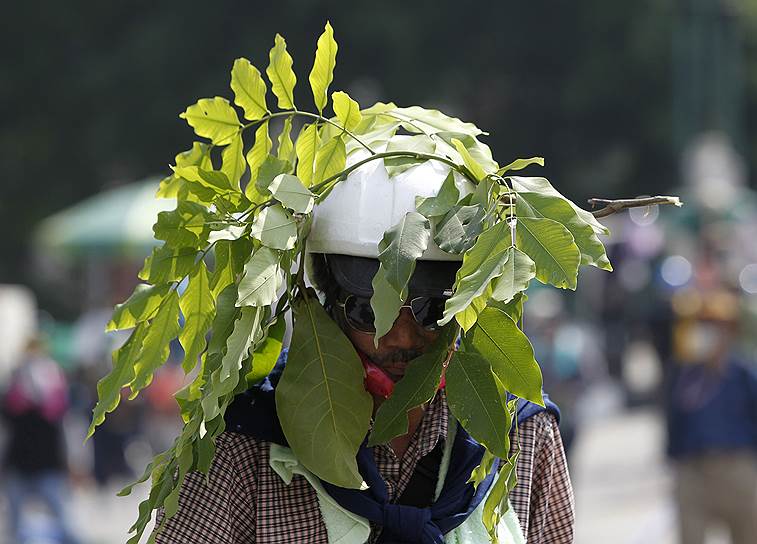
343, 304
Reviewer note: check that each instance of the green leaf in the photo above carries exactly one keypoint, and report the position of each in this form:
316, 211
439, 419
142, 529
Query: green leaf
400, 246
249, 89
514, 308
262, 279
306, 148
330, 159
346, 109
552, 248
225, 378
198, 155
322, 73
290, 191
558, 209
445, 199
270, 168
233, 164
323, 406
415, 144
213, 118
223, 323
198, 307
431, 121
163, 328
256, 155
281, 74
516, 274
476, 169
267, 353
275, 227
541, 185
386, 303
498, 339
230, 257
479, 151
122, 373
520, 164
458, 229
467, 317
496, 503
167, 264
285, 150
139, 307
185, 226
481, 264
475, 401
417, 386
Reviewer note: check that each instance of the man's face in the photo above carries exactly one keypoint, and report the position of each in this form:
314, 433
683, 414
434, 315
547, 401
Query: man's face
405, 341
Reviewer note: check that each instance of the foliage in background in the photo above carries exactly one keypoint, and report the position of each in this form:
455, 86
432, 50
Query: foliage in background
237, 240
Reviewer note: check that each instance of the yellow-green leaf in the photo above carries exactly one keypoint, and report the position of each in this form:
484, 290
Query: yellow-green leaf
322, 73
520, 164
307, 147
233, 164
281, 74
256, 155
475, 168
285, 151
249, 89
213, 118
551, 246
346, 110
139, 307
198, 306
330, 159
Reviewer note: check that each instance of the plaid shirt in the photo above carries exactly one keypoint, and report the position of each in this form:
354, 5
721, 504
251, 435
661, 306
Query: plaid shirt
247, 502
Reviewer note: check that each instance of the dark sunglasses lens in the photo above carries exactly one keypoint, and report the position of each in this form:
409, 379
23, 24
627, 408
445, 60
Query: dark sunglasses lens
428, 310
359, 314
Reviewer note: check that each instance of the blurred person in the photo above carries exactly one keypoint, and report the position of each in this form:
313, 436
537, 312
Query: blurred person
712, 419
33, 407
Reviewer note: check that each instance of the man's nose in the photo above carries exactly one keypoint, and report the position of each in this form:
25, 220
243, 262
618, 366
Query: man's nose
405, 333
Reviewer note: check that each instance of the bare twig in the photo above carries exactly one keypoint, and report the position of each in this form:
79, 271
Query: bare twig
612, 206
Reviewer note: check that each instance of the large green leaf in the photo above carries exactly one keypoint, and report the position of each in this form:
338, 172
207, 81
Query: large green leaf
267, 353
499, 340
496, 503
280, 74
275, 227
198, 307
415, 144
140, 306
386, 303
163, 328
213, 118
256, 155
233, 164
550, 245
247, 329
542, 185
270, 168
290, 191
478, 151
321, 401
230, 257
457, 230
262, 278
346, 109
520, 164
475, 401
473, 166
417, 386
306, 147
285, 149
431, 121
558, 209
322, 73
249, 89
445, 199
198, 155
167, 264
516, 274
400, 246
185, 226
481, 264
330, 159
122, 373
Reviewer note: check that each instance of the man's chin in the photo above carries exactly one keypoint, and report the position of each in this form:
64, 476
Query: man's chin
396, 371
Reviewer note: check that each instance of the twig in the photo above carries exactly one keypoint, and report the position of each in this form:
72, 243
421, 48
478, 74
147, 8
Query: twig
612, 206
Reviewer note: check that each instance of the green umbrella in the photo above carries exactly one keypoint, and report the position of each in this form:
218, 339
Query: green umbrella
115, 222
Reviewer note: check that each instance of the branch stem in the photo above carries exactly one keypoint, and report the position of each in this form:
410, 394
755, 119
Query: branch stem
613, 206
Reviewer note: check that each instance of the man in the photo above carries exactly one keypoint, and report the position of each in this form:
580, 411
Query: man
247, 500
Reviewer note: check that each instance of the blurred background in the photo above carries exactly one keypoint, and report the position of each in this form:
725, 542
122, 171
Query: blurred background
622, 99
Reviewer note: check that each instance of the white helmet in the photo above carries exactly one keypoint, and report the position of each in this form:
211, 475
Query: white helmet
353, 218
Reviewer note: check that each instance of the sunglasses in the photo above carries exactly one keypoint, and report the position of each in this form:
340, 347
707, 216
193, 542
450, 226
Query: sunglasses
359, 314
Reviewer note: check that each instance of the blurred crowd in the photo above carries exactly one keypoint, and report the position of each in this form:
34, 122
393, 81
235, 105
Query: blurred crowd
673, 327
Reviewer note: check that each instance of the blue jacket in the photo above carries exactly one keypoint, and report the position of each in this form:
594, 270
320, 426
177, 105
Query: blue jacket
711, 411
